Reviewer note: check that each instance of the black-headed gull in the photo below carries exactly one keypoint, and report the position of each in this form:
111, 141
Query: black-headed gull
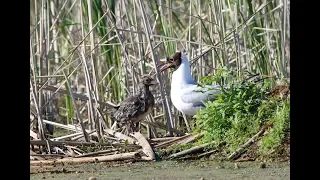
135, 108
186, 95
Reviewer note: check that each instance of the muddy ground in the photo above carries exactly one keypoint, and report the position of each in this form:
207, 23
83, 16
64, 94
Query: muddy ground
185, 170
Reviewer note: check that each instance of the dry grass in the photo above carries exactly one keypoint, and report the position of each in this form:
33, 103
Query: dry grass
100, 53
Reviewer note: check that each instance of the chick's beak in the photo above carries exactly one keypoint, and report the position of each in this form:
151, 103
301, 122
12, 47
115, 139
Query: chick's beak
154, 82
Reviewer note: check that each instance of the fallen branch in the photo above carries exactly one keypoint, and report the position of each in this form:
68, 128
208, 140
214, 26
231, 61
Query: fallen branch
109, 131
70, 136
115, 157
126, 146
162, 139
146, 158
96, 153
44, 142
32, 153
52, 155
167, 143
92, 133
189, 151
240, 150
190, 139
207, 153
33, 135
66, 136
146, 148
67, 127
120, 135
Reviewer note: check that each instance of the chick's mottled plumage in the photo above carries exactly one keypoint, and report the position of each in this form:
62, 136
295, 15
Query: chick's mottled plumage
137, 107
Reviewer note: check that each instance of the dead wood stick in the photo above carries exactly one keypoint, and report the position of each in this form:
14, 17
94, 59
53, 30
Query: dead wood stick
146, 148
71, 128
43, 142
75, 148
115, 157
120, 135
167, 143
71, 135
92, 133
66, 136
33, 153
33, 135
126, 146
191, 139
57, 150
158, 116
207, 153
111, 138
240, 150
53, 155
146, 158
96, 153
189, 151
162, 139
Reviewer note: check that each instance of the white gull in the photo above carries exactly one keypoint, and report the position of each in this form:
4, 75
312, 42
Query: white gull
186, 95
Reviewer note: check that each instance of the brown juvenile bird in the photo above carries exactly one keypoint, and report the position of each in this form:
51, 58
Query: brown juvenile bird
135, 108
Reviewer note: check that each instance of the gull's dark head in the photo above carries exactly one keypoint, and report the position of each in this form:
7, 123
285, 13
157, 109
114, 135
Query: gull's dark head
173, 61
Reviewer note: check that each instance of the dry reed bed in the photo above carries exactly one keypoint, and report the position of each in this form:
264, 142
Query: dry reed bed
87, 55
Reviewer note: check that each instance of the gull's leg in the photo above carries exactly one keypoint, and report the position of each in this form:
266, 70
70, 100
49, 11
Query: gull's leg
128, 129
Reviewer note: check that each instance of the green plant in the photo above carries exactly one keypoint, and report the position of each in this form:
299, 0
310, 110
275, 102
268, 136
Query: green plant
281, 125
239, 112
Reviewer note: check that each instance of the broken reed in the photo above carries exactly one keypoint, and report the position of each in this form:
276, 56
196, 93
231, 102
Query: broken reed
103, 53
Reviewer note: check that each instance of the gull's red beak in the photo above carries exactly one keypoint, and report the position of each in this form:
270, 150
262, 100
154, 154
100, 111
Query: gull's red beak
165, 66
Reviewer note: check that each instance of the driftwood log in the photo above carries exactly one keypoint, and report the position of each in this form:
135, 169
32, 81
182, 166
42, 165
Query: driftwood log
162, 139
120, 135
167, 143
44, 142
188, 151
190, 139
115, 157
146, 148
96, 153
